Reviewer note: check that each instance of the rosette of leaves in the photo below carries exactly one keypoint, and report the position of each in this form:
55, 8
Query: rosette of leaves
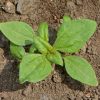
36, 64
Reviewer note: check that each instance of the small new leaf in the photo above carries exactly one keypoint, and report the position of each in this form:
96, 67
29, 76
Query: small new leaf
17, 51
34, 68
55, 58
32, 49
18, 33
43, 31
42, 46
79, 69
73, 34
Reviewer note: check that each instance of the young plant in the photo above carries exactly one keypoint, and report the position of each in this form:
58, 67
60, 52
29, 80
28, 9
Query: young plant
36, 64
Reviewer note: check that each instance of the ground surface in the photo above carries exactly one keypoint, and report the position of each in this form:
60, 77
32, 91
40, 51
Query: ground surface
58, 86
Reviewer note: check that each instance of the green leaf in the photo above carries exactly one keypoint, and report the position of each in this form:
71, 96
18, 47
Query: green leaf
32, 49
73, 34
17, 51
55, 58
34, 68
43, 46
18, 33
40, 46
43, 31
66, 19
79, 69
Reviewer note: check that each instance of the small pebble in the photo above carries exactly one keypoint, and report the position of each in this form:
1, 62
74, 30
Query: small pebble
44, 97
27, 91
88, 95
19, 6
71, 5
81, 93
96, 97
9, 7
58, 77
79, 2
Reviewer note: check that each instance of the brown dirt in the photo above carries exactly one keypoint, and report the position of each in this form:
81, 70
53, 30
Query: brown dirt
58, 86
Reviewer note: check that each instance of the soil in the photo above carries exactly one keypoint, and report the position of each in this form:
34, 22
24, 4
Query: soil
58, 86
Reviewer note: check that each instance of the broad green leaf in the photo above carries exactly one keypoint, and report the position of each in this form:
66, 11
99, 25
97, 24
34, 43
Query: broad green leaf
34, 68
79, 69
55, 58
17, 51
43, 31
17, 32
73, 34
32, 49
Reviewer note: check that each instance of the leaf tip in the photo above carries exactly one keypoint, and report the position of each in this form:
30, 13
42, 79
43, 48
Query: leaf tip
66, 18
96, 83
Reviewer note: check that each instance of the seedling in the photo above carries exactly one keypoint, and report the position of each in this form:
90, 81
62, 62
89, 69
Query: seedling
36, 64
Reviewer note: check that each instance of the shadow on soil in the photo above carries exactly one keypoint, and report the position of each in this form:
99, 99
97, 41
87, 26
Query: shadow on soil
52, 35
67, 80
9, 79
9, 71
73, 84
